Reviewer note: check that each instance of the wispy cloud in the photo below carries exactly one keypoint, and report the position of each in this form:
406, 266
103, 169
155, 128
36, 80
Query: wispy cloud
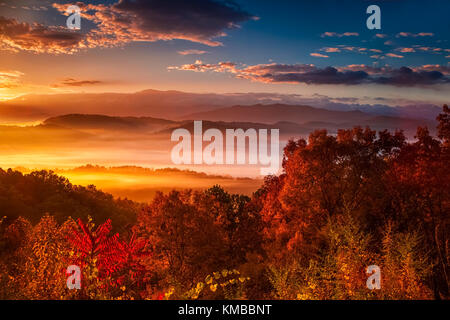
405, 50
435, 50
339, 35
331, 49
414, 35
318, 55
10, 78
393, 55
192, 51
70, 82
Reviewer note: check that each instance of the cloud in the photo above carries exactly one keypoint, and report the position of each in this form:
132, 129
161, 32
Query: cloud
339, 35
311, 74
318, 55
368, 69
431, 49
424, 48
70, 82
199, 66
276, 68
341, 48
11, 74
393, 55
405, 76
10, 78
405, 50
327, 75
331, 49
191, 51
127, 21
16, 36
433, 67
414, 35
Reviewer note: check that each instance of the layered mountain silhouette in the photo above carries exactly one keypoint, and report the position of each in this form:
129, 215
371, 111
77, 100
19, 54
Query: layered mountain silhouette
96, 121
280, 112
292, 121
76, 139
176, 105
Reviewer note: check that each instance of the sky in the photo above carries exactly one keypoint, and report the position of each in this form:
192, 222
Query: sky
310, 48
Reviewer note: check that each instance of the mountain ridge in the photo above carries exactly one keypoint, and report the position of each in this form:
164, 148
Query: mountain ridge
175, 105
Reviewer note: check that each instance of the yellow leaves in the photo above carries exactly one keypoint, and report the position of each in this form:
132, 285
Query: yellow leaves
302, 296
200, 286
169, 293
212, 282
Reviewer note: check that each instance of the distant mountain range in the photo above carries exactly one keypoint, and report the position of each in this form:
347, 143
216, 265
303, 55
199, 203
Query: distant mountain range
293, 121
176, 105
76, 139
279, 112
103, 122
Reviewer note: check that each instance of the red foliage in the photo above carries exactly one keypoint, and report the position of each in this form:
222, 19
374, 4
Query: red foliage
113, 256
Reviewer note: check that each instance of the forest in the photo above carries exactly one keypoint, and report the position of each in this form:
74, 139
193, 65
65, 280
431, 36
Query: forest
342, 202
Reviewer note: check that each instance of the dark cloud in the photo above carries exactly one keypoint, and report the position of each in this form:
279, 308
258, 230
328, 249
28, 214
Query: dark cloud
328, 75
126, 21
15, 36
405, 76
346, 75
69, 82
195, 19
434, 67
